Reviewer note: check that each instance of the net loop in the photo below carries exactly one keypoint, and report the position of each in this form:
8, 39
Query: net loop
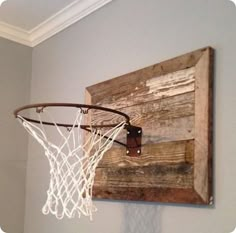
72, 163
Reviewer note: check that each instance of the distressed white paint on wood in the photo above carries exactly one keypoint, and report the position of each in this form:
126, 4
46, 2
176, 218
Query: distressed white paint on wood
172, 84
129, 94
164, 131
168, 119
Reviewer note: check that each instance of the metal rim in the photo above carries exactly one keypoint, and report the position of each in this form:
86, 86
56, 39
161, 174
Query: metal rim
83, 107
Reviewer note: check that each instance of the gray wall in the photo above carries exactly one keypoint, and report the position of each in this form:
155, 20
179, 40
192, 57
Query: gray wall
15, 76
120, 38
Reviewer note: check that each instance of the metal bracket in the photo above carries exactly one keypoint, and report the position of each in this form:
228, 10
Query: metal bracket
134, 141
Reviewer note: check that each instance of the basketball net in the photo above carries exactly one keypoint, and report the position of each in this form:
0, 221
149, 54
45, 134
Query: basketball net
72, 164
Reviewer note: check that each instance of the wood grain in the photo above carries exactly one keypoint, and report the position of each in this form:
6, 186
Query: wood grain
172, 102
168, 119
178, 175
161, 195
203, 127
151, 89
138, 78
152, 154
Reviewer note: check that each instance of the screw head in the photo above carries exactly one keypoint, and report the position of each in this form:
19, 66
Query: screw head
128, 132
138, 151
211, 200
140, 131
127, 152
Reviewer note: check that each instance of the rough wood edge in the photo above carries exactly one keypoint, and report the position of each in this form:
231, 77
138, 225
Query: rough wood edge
203, 126
164, 195
174, 64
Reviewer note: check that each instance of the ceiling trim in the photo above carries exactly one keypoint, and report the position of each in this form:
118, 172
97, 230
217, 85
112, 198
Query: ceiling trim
15, 34
72, 13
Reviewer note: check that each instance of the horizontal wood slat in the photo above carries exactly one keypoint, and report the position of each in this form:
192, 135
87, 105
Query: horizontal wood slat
169, 119
172, 102
166, 195
152, 154
179, 175
152, 89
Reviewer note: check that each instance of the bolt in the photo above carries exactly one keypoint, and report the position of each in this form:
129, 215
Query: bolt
128, 132
211, 200
140, 131
127, 152
138, 151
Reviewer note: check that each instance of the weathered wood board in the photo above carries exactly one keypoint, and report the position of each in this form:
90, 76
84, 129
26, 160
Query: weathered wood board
172, 102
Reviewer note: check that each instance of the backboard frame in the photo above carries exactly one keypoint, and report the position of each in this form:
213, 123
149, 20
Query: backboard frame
189, 100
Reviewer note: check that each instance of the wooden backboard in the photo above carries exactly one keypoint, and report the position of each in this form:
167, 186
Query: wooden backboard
172, 102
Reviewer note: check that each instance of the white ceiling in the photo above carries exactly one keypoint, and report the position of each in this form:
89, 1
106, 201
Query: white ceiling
27, 14
30, 22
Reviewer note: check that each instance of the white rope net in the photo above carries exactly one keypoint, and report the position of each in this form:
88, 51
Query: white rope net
72, 164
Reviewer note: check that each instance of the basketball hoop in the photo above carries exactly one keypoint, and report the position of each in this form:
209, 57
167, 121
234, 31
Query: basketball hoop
73, 160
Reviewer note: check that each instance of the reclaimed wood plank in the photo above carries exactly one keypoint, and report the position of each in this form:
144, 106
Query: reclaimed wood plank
162, 195
139, 77
161, 109
178, 175
152, 154
168, 119
157, 87
203, 126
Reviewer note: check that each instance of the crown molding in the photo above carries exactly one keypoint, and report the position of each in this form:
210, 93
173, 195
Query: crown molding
72, 13
15, 34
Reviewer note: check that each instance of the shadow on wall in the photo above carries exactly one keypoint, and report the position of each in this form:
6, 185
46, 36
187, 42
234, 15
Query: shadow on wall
140, 217
1, 231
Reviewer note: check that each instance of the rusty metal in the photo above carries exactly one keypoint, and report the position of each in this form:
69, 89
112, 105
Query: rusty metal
134, 134
134, 141
83, 107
